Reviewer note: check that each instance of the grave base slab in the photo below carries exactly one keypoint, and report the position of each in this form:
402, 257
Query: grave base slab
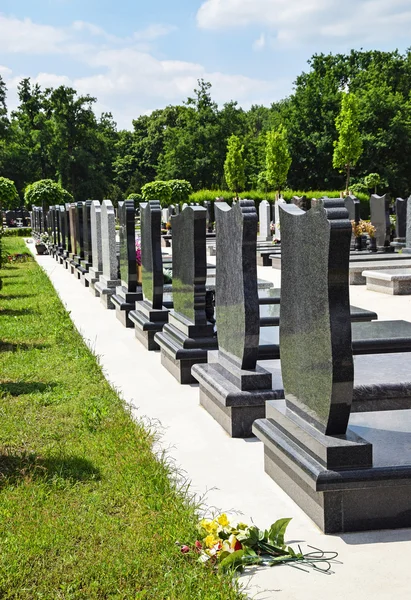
124, 302
147, 322
335, 479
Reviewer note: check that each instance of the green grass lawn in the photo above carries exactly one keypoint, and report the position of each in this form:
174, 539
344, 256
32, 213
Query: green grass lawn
86, 510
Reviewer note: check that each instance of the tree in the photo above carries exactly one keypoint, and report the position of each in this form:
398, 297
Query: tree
234, 165
157, 190
372, 181
45, 193
277, 158
9, 197
348, 147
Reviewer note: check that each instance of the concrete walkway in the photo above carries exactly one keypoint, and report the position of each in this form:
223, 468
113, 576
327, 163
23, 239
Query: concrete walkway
228, 473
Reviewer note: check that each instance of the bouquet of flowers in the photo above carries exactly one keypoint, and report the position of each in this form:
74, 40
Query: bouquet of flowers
232, 547
138, 252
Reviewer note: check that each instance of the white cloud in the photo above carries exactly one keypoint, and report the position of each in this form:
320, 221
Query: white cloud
24, 36
122, 73
357, 21
260, 42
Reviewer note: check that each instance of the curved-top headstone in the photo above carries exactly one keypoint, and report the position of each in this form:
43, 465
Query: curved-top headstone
108, 241
380, 218
87, 231
128, 264
352, 204
190, 264
302, 202
96, 244
151, 257
237, 307
315, 325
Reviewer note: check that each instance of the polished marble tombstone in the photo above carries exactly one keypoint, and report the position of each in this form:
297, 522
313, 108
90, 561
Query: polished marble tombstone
312, 446
407, 248
79, 240
264, 211
353, 205
128, 293
109, 280
96, 268
150, 315
62, 245
73, 234
380, 218
87, 259
400, 224
186, 338
233, 387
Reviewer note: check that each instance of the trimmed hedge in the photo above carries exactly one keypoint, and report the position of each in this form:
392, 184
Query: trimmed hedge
17, 232
257, 196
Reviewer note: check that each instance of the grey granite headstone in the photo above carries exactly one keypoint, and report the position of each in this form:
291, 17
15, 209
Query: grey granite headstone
68, 234
79, 231
88, 258
352, 204
149, 315
380, 218
184, 206
233, 388
62, 227
264, 211
109, 280
73, 228
96, 268
407, 248
302, 202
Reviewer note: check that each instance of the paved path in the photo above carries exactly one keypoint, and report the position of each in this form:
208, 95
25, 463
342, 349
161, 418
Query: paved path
229, 473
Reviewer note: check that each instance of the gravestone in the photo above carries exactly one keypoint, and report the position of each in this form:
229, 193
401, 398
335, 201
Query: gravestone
62, 246
277, 232
312, 449
171, 210
264, 212
184, 206
233, 388
188, 335
400, 224
128, 293
352, 204
79, 240
407, 248
150, 315
96, 268
302, 202
110, 278
380, 218
87, 261
165, 215
68, 233
73, 233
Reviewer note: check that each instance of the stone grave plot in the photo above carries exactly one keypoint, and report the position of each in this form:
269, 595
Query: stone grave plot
396, 282
109, 280
356, 269
349, 472
233, 388
96, 268
128, 293
188, 335
150, 315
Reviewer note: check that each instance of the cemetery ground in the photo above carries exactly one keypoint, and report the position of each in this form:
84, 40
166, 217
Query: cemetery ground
86, 510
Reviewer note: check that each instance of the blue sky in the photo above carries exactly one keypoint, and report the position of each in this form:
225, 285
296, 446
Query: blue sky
137, 56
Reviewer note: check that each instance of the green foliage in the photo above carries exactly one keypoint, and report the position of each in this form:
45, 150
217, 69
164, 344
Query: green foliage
87, 509
348, 148
234, 165
135, 196
180, 190
262, 182
157, 190
46, 192
373, 180
17, 232
9, 197
277, 158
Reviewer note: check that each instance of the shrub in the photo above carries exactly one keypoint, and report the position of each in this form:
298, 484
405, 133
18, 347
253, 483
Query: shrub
136, 197
157, 190
17, 232
180, 190
46, 192
9, 197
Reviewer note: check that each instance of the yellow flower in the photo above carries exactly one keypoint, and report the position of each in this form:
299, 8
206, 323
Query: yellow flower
211, 541
223, 521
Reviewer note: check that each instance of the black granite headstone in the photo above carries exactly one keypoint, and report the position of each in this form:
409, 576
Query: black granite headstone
187, 336
401, 213
150, 316
79, 231
128, 265
88, 258
233, 388
67, 221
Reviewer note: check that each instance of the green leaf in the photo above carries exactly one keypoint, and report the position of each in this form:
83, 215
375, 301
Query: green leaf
277, 532
233, 562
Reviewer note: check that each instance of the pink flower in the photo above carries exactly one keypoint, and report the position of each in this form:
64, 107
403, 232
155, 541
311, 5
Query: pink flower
184, 549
